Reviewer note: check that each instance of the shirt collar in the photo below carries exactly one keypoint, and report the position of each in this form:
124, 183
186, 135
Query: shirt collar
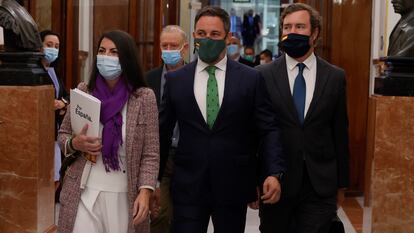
309, 62
219, 65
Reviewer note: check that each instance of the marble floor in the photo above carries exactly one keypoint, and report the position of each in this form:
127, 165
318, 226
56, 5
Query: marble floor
355, 217
353, 214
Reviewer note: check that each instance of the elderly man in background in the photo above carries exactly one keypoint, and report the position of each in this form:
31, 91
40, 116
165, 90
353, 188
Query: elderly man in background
174, 47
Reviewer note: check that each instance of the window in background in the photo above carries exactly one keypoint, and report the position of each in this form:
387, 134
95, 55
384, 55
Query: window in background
268, 11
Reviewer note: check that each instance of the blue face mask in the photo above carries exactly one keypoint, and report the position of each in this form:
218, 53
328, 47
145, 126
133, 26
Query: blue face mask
232, 49
108, 66
171, 57
51, 54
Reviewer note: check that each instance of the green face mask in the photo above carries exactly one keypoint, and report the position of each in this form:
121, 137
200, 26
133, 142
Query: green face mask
209, 50
250, 58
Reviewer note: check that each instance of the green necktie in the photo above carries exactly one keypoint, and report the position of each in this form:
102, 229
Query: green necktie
213, 105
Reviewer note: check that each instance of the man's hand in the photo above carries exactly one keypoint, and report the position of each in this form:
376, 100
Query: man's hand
271, 190
155, 203
141, 206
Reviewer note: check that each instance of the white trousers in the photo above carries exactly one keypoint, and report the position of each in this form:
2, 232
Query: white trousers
102, 212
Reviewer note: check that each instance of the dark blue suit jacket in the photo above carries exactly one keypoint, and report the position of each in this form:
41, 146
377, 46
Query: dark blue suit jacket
218, 165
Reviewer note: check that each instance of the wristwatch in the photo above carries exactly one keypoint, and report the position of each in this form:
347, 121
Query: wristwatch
278, 176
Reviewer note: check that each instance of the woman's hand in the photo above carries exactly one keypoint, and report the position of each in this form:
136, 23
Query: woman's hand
59, 104
90, 145
141, 206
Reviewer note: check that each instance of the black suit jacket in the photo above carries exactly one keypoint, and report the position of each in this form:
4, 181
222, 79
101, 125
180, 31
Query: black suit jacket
63, 94
246, 62
153, 78
322, 142
218, 165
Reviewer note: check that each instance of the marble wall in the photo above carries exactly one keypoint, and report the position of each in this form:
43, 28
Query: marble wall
26, 158
392, 180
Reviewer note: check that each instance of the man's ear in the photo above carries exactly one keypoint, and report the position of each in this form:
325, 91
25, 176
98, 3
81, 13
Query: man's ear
228, 37
314, 36
184, 51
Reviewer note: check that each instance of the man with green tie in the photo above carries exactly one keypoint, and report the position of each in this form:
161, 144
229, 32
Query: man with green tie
223, 110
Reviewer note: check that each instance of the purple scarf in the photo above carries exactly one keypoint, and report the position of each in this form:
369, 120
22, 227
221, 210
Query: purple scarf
112, 103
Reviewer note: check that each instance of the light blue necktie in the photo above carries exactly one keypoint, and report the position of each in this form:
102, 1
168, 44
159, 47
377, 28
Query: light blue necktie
299, 93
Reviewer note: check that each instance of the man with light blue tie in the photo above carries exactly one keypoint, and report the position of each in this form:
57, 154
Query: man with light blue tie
223, 110
309, 96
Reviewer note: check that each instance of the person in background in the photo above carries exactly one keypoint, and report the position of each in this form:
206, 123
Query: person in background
251, 28
309, 95
115, 195
233, 51
222, 109
250, 56
174, 47
235, 23
266, 56
51, 44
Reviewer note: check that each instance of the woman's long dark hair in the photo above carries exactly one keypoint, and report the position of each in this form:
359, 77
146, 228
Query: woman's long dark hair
127, 53
43, 35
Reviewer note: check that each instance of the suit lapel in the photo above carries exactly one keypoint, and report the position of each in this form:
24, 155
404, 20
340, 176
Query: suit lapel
232, 72
321, 80
281, 81
189, 83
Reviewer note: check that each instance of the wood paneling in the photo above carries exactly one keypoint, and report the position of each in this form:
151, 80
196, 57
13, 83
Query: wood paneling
372, 108
345, 42
350, 49
147, 37
109, 15
72, 43
142, 19
58, 25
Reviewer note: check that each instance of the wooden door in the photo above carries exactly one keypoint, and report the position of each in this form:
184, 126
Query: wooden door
345, 42
142, 19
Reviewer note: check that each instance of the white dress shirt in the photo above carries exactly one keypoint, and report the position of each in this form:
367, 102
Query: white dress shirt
200, 83
309, 74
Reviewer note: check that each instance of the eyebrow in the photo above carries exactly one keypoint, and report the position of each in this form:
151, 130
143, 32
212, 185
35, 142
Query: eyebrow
289, 24
101, 47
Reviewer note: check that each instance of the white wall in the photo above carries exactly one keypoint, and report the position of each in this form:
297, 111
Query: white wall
1, 36
86, 36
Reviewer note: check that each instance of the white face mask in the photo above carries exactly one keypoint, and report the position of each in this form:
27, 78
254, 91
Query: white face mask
108, 66
262, 62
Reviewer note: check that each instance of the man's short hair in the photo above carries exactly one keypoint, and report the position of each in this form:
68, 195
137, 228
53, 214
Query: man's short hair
175, 29
267, 53
214, 11
315, 18
249, 47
